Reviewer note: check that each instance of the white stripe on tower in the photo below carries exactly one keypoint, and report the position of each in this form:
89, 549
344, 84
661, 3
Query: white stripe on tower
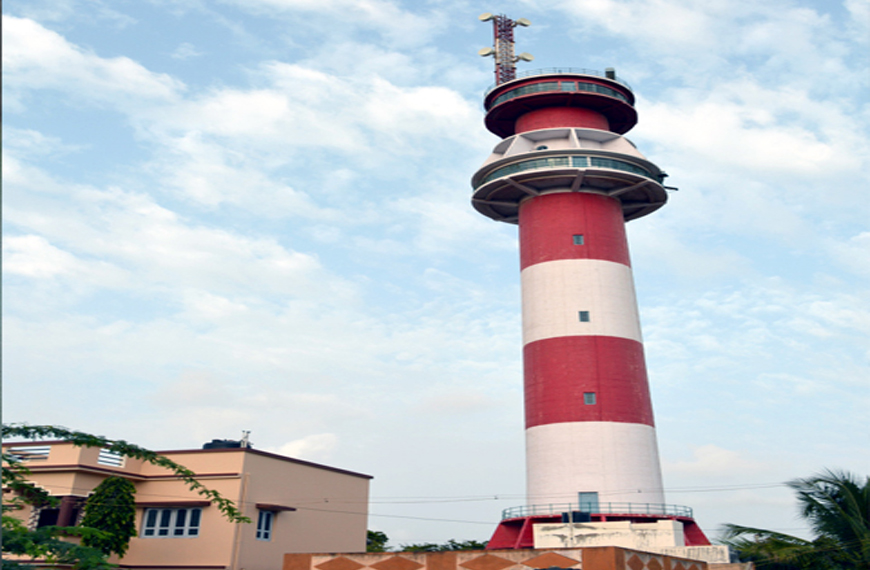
589, 421
552, 288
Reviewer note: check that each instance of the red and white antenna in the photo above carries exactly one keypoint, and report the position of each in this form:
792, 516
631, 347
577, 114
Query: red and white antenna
503, 46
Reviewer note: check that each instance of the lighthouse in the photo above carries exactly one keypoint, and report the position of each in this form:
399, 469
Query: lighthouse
566, 175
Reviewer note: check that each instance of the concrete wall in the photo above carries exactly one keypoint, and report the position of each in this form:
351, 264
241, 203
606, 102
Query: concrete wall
605, 558
331, 510
663, 536
627, 534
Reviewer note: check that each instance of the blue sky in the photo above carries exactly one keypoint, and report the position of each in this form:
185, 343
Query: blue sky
254, 214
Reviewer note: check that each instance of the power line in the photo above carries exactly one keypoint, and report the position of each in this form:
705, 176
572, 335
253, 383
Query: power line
488, 523
434, 499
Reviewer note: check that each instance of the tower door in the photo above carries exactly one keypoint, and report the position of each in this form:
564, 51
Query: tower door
588, 501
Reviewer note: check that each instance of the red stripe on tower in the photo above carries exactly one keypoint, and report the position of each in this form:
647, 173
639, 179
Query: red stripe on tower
586, 379
572, 226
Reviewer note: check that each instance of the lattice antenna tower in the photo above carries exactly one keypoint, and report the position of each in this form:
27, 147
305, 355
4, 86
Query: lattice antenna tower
503, 46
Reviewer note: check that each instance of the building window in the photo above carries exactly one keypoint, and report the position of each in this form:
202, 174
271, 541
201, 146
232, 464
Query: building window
578, 239
589, 398
110, 458
29, 452
47, 517
171, 523
584, 316
264, 525
66, 514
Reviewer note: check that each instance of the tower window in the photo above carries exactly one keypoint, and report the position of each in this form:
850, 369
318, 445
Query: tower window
578, 239
589, 398
584, 316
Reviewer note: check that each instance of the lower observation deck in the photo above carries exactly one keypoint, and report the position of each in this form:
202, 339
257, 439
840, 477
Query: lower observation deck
516, 529
566, 160
499, 193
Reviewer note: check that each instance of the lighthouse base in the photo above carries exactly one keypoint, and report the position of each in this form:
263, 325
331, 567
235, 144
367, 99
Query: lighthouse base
519, 532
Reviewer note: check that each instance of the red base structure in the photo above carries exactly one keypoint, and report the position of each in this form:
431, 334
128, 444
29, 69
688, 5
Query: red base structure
516, 533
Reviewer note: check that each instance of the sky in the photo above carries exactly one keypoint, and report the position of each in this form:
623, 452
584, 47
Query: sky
255, 215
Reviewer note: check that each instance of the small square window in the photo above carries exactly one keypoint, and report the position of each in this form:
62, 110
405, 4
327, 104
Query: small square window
578, 239
584, 316
589, 398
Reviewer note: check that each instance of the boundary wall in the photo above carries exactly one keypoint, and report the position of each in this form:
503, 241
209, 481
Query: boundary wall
599, 558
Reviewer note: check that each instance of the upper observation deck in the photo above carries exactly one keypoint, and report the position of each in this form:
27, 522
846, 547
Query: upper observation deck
560, 97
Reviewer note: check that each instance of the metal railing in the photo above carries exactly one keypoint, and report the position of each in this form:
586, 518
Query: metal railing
598, 508
558, 70
561, 162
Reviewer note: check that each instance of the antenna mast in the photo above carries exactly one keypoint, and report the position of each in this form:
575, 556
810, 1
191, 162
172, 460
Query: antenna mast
503, 46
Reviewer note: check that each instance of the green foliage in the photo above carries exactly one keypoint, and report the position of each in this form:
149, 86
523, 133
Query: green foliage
448, 546
112, 509
46, 543
376, 541
837, 507
23, 492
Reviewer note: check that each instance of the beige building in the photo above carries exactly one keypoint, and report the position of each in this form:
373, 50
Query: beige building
294, 506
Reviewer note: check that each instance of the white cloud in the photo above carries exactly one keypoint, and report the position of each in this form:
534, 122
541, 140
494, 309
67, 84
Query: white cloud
211, 175
444, 224
659, 244
693, 38
714, 461
859, 24
185, 51
35, 57
45, 10
306, 108
22, 143
456, 402
729, 334
854, 253
315, 447
283, 148
749, 130
721, 134
388, 18
165, 252
33, 256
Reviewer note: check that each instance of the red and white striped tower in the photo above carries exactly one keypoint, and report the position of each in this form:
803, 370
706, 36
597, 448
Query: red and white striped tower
565, 174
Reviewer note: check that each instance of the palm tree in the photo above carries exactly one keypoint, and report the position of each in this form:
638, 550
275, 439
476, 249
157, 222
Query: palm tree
836, 504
